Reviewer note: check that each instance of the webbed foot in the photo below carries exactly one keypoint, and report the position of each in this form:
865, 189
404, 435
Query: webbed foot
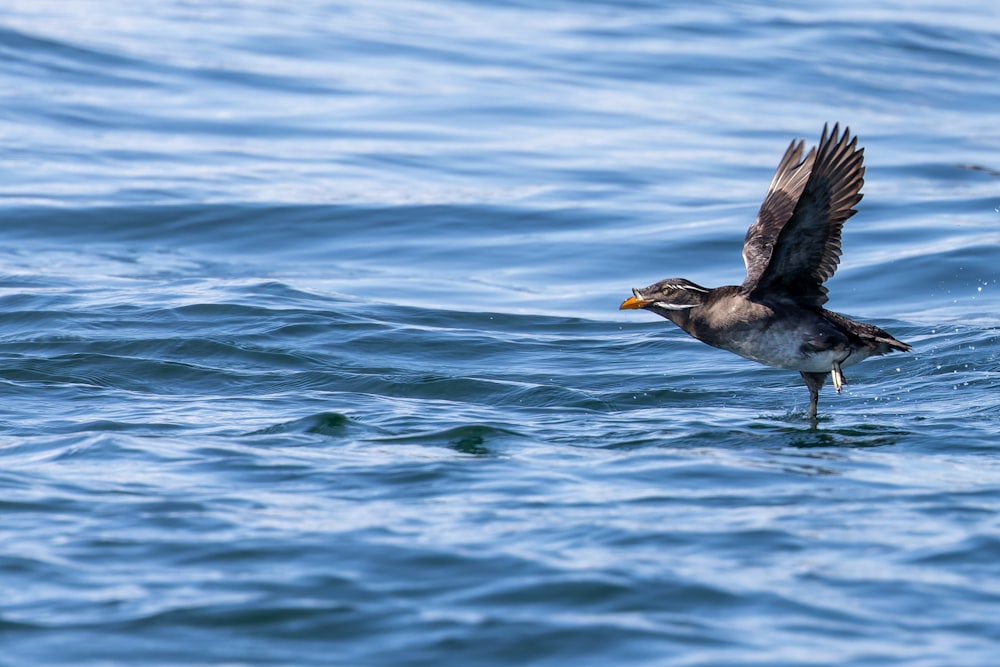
838, 376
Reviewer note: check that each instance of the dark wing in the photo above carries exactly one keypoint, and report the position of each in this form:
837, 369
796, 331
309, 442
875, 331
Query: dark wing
779, 204
805, 249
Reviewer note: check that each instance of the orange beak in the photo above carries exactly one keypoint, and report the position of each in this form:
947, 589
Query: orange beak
634, 302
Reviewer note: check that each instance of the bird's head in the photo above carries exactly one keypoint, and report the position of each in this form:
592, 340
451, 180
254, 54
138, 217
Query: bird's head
671, 298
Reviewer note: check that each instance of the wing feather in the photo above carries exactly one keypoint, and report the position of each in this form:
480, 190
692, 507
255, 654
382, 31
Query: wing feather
779, 204
806, 245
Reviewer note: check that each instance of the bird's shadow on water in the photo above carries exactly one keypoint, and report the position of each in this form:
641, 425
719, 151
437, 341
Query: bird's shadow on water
795, 429
741, 430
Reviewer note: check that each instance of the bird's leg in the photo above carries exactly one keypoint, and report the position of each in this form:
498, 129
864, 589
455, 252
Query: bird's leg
838, 376
814, 381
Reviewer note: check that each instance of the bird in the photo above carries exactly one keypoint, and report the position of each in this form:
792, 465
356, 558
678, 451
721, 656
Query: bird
776, 317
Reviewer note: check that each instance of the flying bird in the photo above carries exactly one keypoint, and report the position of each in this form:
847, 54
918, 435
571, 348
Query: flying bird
776, 317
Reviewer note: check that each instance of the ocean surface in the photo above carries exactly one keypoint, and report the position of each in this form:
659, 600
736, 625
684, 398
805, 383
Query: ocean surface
310, 349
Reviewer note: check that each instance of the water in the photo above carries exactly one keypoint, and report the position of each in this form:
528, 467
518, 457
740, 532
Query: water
310, 351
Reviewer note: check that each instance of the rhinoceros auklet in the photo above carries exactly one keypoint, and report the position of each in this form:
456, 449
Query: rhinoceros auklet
776, 316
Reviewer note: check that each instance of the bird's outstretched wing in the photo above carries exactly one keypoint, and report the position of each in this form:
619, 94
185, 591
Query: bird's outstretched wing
794, 245
779, 204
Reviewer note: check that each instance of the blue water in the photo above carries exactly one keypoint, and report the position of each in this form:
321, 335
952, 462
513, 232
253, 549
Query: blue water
310, 351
